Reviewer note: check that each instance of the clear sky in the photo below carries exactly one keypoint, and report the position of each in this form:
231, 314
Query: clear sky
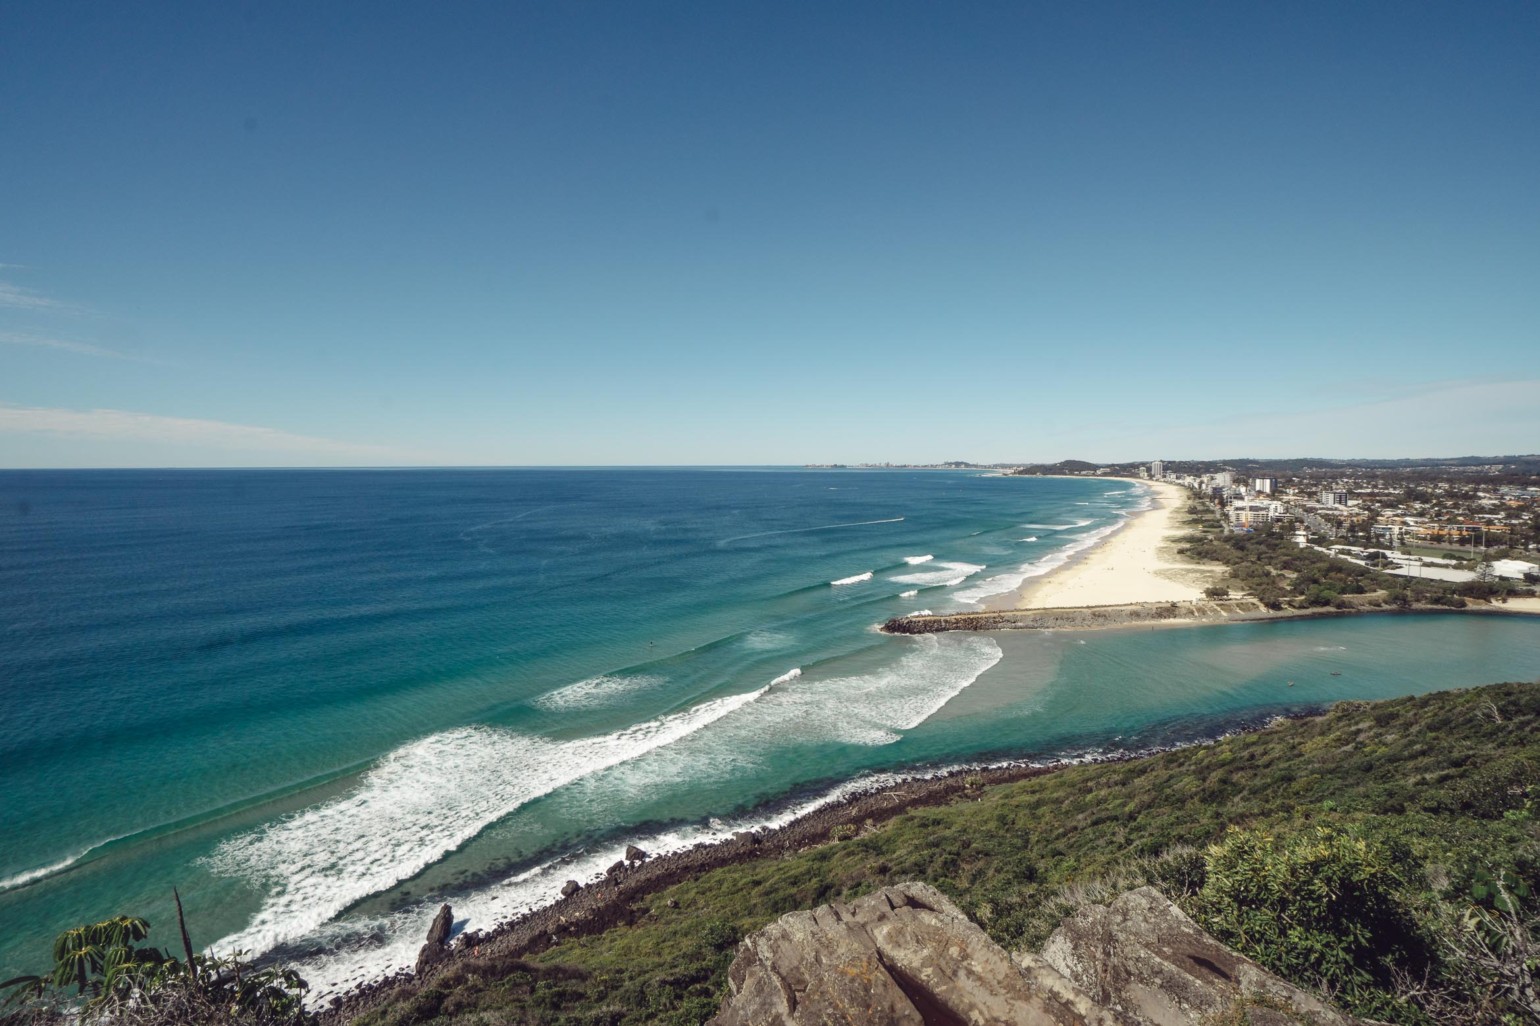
654, 233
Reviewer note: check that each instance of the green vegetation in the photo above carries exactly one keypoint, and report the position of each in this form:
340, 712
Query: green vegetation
100, 969
1324, 904
1267, 564
1385, 853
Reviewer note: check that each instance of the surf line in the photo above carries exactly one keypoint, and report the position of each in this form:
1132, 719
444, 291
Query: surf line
803, 530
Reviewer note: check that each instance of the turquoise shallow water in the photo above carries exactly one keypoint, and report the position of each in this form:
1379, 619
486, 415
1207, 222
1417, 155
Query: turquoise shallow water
318, 702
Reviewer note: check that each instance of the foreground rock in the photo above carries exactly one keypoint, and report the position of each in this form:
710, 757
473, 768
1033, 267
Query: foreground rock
903, 955
437, 947
907, 955
1143, 956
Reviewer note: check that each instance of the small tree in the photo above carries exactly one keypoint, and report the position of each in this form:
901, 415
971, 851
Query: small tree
102, 960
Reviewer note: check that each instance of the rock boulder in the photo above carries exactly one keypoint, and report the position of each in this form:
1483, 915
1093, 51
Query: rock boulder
1142, 956
902, 955
437, 947
906, 956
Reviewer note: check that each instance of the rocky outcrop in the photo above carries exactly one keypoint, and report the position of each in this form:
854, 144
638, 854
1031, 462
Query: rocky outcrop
1144, 957
437, 947
903, 955
906, 955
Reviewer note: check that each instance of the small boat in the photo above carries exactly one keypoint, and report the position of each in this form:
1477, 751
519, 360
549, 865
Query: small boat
1336, 673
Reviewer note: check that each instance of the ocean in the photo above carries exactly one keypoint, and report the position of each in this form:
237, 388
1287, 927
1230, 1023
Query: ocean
319, 703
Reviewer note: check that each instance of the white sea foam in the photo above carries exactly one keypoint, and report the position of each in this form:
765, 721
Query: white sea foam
21, 879
870, 708
433, 795
787, 677
1030, 537
940, 573
369, 949
422, 801
918, 559
896, 697
596, 691
922, 612
857, 579
999, 584
909, 594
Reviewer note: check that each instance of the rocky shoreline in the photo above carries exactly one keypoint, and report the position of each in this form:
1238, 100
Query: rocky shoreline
615, 899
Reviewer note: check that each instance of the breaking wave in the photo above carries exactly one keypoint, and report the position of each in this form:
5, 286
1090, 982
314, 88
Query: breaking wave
31, 875
943, 573
857, 579
1002, 583
596, 691
418, 804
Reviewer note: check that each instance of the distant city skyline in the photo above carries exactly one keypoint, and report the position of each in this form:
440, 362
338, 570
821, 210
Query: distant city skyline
669, 234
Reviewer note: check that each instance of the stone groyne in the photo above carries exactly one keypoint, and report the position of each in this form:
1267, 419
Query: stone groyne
1086, 617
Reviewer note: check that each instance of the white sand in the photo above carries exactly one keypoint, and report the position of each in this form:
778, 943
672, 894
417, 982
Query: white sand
1136, 563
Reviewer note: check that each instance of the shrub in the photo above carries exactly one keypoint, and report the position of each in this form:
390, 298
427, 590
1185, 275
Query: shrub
1325, 908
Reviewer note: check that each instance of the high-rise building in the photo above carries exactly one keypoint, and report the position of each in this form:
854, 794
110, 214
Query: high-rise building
1158, 469
1264, 485
1333, 497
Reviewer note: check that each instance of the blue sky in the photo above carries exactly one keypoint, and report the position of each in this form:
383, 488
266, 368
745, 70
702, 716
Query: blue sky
648, 233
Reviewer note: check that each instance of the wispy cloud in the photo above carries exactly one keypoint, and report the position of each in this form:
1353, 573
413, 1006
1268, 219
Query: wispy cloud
17, 298
13, 338
151, 428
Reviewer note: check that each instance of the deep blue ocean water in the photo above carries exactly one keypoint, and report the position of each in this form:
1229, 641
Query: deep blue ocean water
320, 702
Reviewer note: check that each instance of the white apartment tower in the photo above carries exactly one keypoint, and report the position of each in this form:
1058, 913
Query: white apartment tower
1158, 470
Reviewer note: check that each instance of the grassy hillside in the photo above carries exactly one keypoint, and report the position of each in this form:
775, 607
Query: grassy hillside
1406, 826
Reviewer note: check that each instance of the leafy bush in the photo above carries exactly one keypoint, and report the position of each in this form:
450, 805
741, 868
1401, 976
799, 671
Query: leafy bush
1325, 907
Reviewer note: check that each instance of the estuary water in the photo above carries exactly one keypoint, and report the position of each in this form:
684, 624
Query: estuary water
321, 702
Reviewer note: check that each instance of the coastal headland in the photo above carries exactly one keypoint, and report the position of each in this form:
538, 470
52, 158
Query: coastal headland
1017, 848
621, 897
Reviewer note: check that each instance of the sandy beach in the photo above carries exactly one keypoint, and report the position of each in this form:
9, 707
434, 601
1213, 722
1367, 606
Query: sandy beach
1136, 563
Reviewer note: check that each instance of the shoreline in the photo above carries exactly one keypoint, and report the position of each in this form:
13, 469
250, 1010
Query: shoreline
612, 900
1134, 577
1136, 562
